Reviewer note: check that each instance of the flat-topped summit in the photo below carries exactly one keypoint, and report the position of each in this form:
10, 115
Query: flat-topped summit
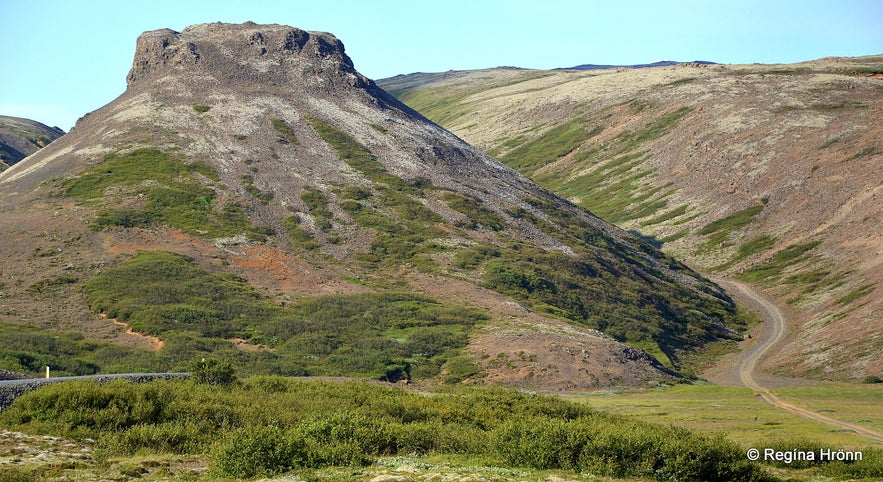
242, 53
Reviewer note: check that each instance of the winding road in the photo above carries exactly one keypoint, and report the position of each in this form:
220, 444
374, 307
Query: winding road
772, 335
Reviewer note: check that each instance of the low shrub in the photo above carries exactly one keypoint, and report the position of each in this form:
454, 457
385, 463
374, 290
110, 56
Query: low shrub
212, 371
257, 451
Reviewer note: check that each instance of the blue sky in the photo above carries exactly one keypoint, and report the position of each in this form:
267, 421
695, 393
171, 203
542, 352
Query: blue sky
61, 59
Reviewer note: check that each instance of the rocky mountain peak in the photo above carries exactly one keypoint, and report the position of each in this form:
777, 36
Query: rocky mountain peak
240, 54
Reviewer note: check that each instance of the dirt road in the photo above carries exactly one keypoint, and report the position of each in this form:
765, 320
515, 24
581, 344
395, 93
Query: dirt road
775, 333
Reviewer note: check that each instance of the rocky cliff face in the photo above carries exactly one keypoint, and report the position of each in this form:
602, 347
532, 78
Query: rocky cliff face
259, 152
222, 53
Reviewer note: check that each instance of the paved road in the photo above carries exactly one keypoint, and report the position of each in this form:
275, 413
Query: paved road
12, 389
771, 336
147, 376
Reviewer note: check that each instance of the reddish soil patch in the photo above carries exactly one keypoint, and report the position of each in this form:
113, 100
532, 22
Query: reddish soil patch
141, 340
243, 345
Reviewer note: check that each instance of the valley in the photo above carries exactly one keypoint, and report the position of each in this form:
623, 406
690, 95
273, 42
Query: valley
769, 174
359, 293
204, 212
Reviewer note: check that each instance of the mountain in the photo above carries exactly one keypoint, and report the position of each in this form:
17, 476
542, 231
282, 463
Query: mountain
252, 197
660, 63
20, 138
766, 173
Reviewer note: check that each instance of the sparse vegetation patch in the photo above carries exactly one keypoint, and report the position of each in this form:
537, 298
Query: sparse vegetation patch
263, 196
719, 231
478, 215
779, 262
379, 335
147, 187
286, 133
555, 143
855, 294
353, 152
752, 246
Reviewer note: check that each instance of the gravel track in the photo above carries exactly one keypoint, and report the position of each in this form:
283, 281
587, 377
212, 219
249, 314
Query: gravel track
769, 338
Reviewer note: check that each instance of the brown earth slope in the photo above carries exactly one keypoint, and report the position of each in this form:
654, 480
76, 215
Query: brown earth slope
260, 153
20, 138
768, 173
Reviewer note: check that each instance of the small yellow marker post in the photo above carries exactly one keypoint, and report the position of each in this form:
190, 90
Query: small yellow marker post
47, 372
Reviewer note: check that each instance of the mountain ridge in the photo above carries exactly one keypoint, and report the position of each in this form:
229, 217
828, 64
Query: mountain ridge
658, 63
763, 172
254, 161
21, 137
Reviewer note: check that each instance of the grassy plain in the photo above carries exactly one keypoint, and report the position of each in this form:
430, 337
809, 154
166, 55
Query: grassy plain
745, 418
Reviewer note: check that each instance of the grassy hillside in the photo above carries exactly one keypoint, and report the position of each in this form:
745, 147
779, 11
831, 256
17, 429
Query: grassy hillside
602, 284
758, 172
20, 138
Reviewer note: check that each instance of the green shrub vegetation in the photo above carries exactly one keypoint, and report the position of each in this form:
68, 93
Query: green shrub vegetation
808, 278
48, 284
402, 224
878, 70
671, 214
379, 335
752, 246
286, 133
855, 294
263, 196
681, 81
614, 190
719, 231
157, 292
476, 213
317, 204
354, 153
626, 297
27, 349
201, 108
774, 268
267, 426
212, 371
147, 187
547, 148
472, 257
299, 236
616, 186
